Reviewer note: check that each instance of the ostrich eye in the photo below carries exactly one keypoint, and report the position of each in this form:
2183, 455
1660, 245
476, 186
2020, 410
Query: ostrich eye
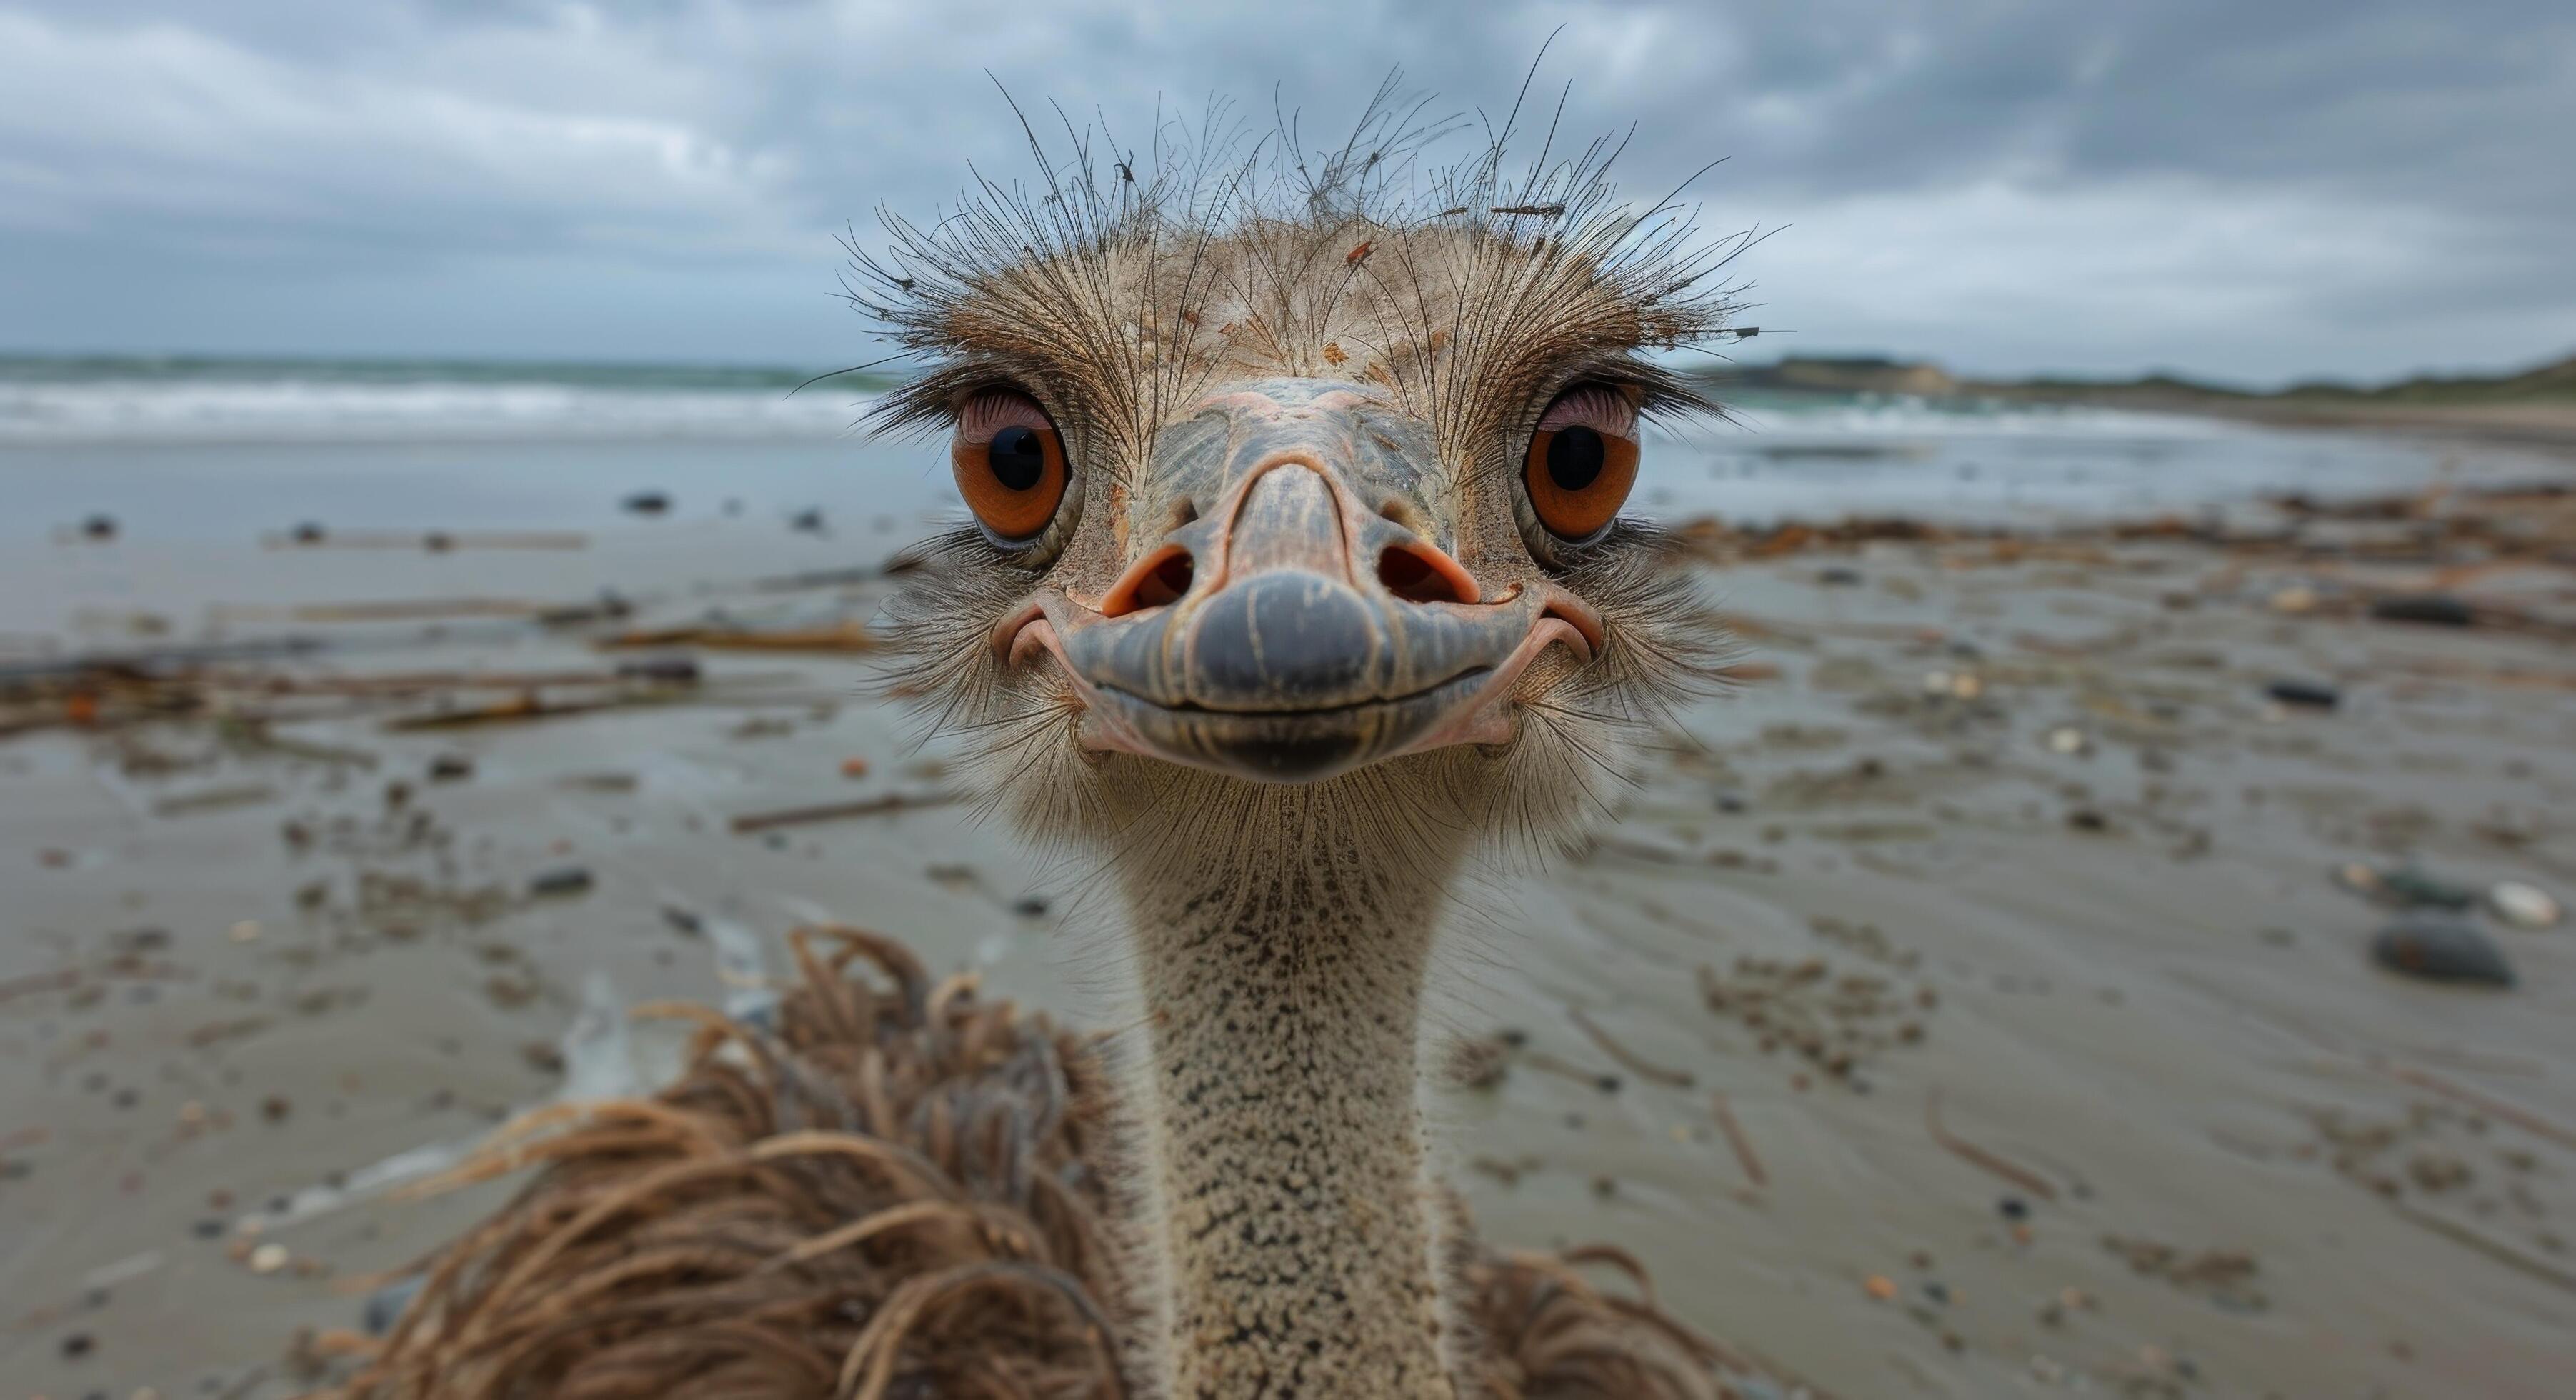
1582, 460
1009, 462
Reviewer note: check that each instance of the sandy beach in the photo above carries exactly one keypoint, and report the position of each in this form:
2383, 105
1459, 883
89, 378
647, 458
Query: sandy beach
1974, 1002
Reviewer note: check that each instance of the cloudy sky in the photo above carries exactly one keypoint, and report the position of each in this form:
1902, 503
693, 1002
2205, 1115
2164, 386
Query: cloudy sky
2254, 189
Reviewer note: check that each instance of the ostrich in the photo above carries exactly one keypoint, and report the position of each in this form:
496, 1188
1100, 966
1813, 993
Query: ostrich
1296, 581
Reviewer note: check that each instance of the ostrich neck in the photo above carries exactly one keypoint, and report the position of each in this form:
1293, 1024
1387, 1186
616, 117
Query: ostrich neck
1283, 1004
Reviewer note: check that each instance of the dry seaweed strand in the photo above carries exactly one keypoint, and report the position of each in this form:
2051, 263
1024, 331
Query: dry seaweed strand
1736, 1139
1644, 1068
1977, 1156
890, 1188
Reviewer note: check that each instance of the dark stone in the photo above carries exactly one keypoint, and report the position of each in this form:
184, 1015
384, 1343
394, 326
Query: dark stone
385, 1305
2314, 695
648, 502
2431, 609
1030, 908
78, 1345
661, 670
809, 521
450, 768
2410, 886
1838, 577
308, 532
2441, 949
2013, 1208
99, 527
570, 879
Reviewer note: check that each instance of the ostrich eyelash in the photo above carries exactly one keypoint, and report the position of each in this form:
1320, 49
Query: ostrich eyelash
1596, 406
989, 411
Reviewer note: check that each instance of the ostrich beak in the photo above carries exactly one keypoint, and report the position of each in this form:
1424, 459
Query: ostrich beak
1293, 630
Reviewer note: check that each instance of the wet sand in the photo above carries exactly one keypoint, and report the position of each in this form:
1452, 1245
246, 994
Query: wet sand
2012, 824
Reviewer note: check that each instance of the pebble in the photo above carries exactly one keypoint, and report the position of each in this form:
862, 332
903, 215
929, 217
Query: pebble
648, 502
2314, 695
247, 931
2441, 949
450, 768
1880, 1286
854, 768
99, 527
2431, 609
268, 1258
385, 1305
661, 670
2410, 886
1838, 577
570, 879
2524, 906
2297, 598
2067, 739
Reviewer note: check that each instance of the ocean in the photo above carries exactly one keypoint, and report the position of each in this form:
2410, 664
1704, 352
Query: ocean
204, 449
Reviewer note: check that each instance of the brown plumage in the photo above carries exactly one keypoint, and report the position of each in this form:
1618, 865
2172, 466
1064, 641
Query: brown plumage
894, 1190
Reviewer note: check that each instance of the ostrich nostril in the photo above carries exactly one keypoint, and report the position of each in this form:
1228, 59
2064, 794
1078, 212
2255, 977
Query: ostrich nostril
1421, 574
1160, 578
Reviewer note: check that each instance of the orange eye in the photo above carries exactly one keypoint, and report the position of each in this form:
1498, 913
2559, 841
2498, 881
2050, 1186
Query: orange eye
1582, 460
1009, 462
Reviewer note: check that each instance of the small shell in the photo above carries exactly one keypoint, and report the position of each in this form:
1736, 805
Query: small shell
2525, 906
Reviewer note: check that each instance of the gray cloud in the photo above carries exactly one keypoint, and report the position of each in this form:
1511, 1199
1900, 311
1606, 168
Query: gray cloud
2256, 189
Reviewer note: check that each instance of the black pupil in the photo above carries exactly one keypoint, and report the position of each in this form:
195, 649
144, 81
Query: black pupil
1017, 458
1574, 458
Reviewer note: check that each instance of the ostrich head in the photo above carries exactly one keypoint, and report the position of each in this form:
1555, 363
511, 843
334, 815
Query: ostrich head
1294, 494
1297, 569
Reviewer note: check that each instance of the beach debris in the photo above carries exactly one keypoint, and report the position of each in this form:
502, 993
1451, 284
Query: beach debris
1979, 1157
570, 879
2430, 609
2524, 906
885, 805
2405, 887
1568, 1070
269, 1258
1476, 1062
2224, 1276
647, 503
2313, 695
850, 636
662, 670
2068, 740
1644, 1068
214, 799
2439, 948
1836, 1023
854, 768
2296, 599
1879, 1286
1738, 1142
310, 534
